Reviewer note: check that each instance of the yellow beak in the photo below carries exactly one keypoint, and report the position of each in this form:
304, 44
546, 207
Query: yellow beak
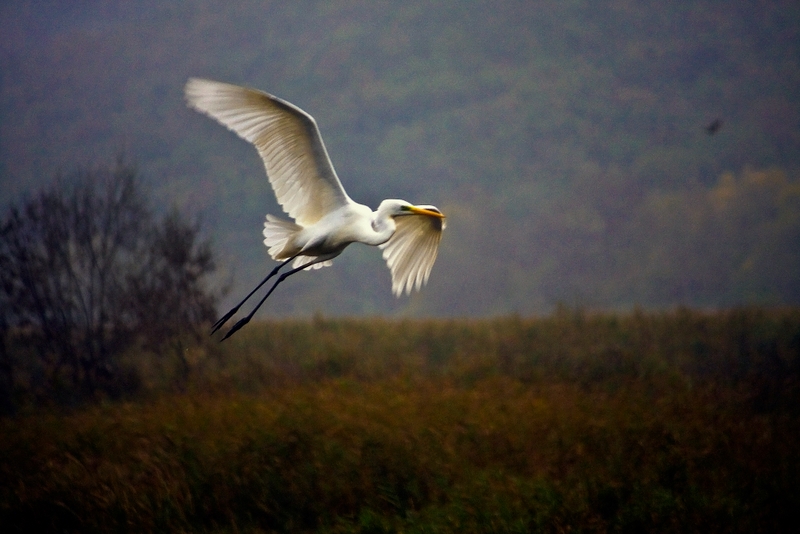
425, 211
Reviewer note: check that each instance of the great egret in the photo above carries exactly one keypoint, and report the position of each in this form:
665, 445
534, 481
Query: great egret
326, 219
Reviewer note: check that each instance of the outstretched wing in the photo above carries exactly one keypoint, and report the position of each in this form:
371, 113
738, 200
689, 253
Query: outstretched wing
411, 251
288, 140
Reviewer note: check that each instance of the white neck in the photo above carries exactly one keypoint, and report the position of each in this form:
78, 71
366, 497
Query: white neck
382, 224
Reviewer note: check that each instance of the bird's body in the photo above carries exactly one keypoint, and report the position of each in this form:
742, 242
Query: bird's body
330, 235
326, 219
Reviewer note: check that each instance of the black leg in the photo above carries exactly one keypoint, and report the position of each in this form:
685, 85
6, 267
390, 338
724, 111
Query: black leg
235, 309
280, 279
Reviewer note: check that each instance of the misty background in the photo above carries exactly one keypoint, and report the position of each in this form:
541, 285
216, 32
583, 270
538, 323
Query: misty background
565, 141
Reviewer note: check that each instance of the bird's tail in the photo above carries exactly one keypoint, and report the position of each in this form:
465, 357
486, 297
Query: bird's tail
277, 237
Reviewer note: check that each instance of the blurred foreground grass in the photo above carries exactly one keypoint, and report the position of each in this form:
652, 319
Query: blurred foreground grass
680, 421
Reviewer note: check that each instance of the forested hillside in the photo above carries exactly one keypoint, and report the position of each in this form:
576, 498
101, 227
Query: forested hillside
566, 141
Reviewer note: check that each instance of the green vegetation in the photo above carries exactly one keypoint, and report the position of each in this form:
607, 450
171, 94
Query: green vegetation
668, 422
564, 140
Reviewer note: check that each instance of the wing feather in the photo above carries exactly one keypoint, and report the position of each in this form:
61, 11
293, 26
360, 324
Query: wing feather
411, 251
286, 137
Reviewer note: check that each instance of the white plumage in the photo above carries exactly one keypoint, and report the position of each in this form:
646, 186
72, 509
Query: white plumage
326, 219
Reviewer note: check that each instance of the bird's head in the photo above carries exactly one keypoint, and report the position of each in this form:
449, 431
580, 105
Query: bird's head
393, 208
398, 208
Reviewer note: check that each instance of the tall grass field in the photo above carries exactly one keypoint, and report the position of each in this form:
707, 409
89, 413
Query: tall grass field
680, 421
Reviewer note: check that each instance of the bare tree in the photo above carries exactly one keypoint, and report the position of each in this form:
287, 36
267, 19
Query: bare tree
166, 291
86, 272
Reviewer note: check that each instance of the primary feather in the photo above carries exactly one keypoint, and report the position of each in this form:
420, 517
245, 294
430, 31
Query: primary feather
412, 250
286, 137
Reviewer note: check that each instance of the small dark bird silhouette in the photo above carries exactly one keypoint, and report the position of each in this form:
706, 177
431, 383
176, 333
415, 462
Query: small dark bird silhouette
714, 126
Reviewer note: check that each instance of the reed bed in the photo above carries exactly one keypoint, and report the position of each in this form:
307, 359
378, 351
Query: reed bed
679, 421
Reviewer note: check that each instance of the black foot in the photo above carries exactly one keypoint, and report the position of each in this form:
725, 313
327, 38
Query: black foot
223, 320
236, 327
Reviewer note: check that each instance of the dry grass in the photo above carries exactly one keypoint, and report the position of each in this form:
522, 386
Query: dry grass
644, 422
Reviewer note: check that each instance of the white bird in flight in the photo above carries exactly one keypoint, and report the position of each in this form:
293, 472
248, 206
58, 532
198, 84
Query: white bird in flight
326, 219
